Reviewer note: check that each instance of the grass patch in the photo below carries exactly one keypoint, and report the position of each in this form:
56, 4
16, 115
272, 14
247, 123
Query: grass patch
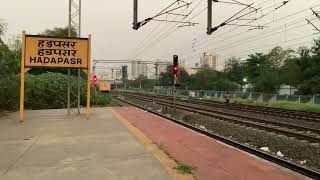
296, 106
249, 102
184, 168
277, 104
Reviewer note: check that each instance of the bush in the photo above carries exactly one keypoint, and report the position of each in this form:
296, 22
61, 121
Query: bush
47, 91
9, 92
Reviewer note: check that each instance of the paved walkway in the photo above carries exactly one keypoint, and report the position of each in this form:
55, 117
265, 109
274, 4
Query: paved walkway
213, 159
51, 146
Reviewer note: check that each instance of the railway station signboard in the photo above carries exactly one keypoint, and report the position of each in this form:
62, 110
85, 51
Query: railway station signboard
45, 51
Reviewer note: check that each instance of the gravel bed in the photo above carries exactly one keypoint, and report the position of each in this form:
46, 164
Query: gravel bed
301, 152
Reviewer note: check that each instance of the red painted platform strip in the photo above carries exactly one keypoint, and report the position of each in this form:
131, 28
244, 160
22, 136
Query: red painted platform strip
213, 160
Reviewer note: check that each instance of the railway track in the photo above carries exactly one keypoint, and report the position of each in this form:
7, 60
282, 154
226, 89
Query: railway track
285, 163
299, 132
286, 113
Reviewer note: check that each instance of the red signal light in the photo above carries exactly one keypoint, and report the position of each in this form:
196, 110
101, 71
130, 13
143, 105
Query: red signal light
95, 79
175, 69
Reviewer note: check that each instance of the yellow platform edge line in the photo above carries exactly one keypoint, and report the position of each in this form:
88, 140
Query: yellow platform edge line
157, 152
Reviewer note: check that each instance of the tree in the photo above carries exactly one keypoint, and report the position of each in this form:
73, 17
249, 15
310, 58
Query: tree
3, 27
60, 32
142, 82
304, 52
316, 47
253, 65
166, 78
235, 70
291, 73
277, 56
208, 79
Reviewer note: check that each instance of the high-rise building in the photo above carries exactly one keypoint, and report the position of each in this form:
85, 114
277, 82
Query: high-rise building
210, 61
138, 68
124, 70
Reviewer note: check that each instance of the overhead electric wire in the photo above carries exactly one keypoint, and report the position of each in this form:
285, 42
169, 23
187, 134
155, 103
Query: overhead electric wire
247, 39
212, 37
156, 28
206, 37
251, 40
160, 37
264, 24
165, 35
275, 44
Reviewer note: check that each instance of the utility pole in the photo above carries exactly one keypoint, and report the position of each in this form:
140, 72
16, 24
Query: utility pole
156, 69
135, 15
69, 35
175, 70
74, 22
112, 73
209, 28
318, 16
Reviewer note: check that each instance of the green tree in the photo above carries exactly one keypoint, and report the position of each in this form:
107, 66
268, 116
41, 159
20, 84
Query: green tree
277, 57
235, 70
208, 79
166, 78
253, 65
3, 27
291, 73
60, 32
143, 82
316, 47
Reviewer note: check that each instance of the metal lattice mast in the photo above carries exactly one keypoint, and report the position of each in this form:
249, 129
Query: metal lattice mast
74, 24
75, 16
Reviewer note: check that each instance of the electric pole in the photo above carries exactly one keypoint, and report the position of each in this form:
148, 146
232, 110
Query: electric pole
135, 15
75, 24
209, 28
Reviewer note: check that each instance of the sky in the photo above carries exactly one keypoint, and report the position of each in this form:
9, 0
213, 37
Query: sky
110, 24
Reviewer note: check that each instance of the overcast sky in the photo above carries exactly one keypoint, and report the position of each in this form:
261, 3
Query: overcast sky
110, 23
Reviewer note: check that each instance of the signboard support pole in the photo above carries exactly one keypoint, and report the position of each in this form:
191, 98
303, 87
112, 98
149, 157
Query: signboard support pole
69, 35
21, 115
89, 76
68, 105
79, 82
79, 70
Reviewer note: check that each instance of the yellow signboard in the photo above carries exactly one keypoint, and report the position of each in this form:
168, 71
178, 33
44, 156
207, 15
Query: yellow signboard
43, 51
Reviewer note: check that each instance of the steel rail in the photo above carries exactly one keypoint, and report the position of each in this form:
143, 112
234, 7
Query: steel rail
308, 116
257, 125
272, 158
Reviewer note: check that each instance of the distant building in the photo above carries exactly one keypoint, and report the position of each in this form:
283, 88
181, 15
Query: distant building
161, 67
118, 74
138, 68
124, 71
287, 90
210, 61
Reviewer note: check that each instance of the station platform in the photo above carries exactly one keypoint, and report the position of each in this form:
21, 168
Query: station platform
213, 160
50, 145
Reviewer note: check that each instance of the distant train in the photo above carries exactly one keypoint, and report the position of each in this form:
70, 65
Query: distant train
105, 86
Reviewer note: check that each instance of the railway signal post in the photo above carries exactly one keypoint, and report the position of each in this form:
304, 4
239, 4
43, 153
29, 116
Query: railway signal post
175, 70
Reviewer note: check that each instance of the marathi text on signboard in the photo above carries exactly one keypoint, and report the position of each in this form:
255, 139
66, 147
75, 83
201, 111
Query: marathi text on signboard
56, 52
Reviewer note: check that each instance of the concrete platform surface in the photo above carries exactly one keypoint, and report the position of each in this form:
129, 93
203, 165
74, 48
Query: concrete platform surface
52, 146
213, 159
